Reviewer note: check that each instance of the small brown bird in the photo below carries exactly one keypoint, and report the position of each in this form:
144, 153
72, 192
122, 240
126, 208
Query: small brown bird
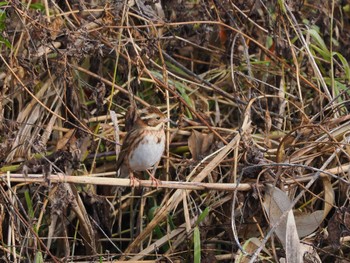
144, 143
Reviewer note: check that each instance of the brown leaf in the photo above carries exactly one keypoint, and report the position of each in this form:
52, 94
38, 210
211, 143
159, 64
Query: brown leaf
308, 223
65, 139
56, 27
329, 195
276, 202
199, 144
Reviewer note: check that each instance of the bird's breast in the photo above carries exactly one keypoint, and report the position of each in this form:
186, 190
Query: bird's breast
148, 151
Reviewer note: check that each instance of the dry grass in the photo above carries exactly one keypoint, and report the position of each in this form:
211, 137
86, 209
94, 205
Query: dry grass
256, 168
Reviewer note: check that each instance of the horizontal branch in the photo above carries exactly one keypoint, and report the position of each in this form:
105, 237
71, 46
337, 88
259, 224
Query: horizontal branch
122, 182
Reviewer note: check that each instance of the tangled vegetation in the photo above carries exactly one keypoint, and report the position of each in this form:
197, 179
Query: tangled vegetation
255, 169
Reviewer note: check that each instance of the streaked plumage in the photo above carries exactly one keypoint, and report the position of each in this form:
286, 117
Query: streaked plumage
144, 144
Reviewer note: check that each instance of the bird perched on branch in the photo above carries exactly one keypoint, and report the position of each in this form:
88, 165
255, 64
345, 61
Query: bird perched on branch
143, 144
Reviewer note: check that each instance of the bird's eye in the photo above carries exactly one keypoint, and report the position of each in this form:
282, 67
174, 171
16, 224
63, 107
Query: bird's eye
158, 118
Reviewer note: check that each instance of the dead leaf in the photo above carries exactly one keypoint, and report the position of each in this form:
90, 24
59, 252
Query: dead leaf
293, 252
308, 223
276, 202
56, 27
328, 195
199, 144
65, 139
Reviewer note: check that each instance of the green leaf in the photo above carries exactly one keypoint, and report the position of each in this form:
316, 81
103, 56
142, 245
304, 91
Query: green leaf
196, 245
325, 55
346, 8
171, 222
39, 257
3, 3
157, 230
281, 4
344, 63
37, 6
318, 40
202, 215
2, 19
29, 204
181, 88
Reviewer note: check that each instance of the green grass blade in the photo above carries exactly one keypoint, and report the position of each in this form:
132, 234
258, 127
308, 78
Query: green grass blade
196, 245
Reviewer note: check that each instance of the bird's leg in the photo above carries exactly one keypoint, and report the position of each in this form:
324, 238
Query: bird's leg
151, 175
155, 180
133, 179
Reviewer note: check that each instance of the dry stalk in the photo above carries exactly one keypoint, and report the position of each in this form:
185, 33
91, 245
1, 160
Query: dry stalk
122, 182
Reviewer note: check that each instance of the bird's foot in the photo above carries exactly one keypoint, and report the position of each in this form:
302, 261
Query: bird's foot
155, 180
133, 179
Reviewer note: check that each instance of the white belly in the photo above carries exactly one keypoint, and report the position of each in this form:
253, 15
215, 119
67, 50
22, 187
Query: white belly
148, 153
